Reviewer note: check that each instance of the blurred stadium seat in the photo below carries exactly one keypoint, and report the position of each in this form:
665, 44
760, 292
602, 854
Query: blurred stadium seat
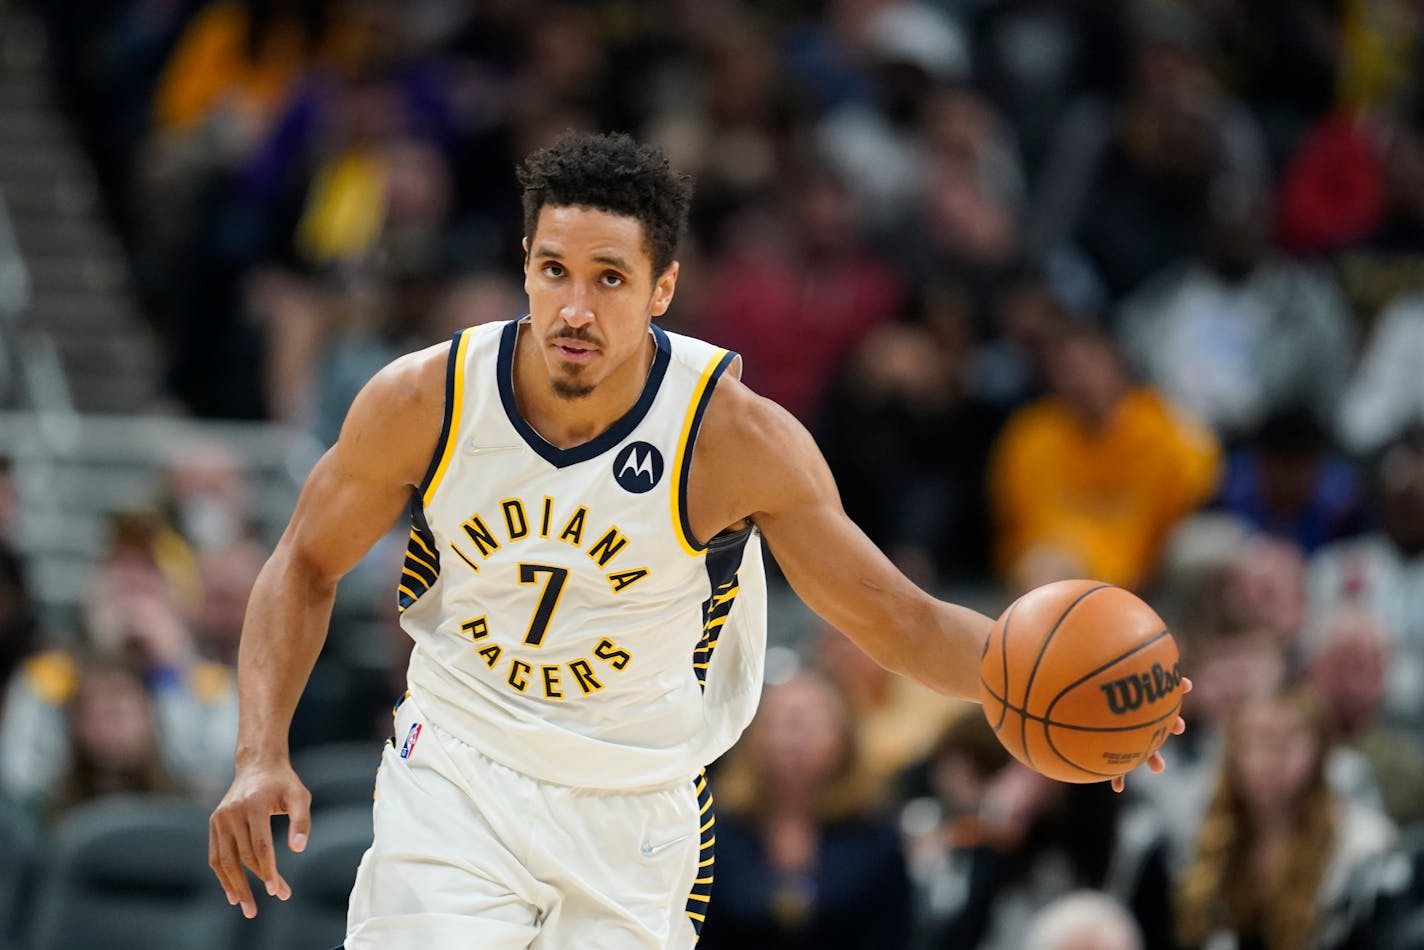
18, 843
339, 774
130, 873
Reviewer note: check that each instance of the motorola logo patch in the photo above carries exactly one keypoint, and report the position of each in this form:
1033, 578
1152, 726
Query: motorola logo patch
638, 467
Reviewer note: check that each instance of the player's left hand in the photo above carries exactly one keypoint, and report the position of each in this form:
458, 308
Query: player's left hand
1155, 762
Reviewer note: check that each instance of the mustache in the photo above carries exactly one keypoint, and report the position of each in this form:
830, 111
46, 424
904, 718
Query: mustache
574, 335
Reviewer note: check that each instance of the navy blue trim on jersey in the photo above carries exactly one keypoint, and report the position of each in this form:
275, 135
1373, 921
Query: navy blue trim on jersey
724, 561
449, 420
702, 401
616, 433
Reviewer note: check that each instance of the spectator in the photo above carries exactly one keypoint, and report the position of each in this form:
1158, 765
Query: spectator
1083, 920
1088, 481
795, 297
1386, 393
135, 613
967, 231
941, 814
909, 443
1384, 909
1348, 670
1033, 841
1276, 845
240, 58
228, 574
1035, 57
908, 51
1383, 572
896, 721
114, 746
1230, 667
1352, 192
802, 858
1152, 160
1287, 482
1029, 310
206, 495
1240, 331
1264, 587
218, 95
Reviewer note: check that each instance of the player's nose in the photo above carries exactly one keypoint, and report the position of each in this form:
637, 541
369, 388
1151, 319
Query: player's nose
577, 310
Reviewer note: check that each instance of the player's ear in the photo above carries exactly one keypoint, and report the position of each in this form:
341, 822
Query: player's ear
525, 244
663, 290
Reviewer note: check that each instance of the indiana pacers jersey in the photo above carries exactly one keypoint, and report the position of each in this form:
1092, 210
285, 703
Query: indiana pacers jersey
566, 622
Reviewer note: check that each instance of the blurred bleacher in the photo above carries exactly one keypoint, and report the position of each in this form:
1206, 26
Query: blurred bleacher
81, 422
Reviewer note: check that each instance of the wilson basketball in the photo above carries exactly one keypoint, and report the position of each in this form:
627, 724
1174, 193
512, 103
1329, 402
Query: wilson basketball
1080, 680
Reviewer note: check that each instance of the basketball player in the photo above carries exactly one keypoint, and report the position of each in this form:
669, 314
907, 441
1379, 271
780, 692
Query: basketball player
587, 496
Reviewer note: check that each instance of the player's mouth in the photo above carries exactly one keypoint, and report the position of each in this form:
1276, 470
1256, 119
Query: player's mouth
575, 351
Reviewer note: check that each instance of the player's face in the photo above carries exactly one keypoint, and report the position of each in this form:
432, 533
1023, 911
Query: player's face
592, 294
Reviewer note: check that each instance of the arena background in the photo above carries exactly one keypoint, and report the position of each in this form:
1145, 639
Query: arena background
1063, 288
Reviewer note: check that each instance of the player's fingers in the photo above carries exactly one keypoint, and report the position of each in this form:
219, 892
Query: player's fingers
1155, 762
1186, 685
299, 813
215, 862
1179, 727
261, 857
1117, 783
234, 881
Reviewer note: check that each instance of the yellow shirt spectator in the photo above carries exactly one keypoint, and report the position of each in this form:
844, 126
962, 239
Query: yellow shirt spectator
1091, 478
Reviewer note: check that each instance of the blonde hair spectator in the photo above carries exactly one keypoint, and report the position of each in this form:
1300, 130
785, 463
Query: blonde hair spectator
1083, 920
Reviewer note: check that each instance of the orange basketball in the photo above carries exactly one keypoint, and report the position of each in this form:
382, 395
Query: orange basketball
1080, 680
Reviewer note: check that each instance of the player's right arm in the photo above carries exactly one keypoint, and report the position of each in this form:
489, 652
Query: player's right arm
354, 494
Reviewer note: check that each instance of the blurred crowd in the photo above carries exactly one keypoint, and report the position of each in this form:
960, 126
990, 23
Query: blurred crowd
1126, 290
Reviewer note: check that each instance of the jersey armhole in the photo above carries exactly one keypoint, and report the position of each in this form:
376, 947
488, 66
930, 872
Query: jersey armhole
682, 465
454, 396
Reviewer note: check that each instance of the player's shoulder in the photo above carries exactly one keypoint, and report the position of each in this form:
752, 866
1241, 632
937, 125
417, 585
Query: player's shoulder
697, 357
737, 420
413, 379
397, 416
745, 425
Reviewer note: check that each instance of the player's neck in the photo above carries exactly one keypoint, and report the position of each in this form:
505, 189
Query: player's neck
564, 422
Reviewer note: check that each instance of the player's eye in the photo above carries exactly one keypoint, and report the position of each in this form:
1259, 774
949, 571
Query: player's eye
612, 280
553, 270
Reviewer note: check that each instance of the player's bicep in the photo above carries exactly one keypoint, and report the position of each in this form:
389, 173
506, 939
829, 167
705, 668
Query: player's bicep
826, 558
340, 516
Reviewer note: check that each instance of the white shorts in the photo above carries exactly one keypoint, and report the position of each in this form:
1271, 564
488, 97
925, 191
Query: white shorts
469, 853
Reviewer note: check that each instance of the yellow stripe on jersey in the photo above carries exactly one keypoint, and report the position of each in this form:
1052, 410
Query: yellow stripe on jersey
457, 396
689, 544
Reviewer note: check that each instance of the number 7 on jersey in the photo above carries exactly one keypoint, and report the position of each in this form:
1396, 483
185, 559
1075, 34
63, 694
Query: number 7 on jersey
548, 598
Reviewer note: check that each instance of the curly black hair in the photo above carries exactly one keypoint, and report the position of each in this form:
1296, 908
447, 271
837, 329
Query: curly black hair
613, 173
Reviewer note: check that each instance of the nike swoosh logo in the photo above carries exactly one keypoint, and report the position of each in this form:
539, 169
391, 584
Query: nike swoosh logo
650, 849
473, 449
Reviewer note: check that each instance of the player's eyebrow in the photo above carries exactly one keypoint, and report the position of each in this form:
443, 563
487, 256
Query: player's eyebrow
612, 260
609, 260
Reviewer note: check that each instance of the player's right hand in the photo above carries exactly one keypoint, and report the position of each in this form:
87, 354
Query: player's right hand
240, 830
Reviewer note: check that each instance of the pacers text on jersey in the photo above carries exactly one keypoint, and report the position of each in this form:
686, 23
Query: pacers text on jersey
518, 521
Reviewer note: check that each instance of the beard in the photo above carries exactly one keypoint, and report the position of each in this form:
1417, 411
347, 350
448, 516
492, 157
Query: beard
565, 389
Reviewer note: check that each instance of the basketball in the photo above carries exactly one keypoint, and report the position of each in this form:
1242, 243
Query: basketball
1080, 680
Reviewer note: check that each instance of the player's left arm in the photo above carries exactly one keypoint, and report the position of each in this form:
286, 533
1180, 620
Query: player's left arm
765, 466
755, 460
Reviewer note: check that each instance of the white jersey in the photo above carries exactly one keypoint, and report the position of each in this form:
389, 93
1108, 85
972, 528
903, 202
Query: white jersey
566, 622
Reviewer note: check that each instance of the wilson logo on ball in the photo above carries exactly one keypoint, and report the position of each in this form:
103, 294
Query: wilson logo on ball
1129, 693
